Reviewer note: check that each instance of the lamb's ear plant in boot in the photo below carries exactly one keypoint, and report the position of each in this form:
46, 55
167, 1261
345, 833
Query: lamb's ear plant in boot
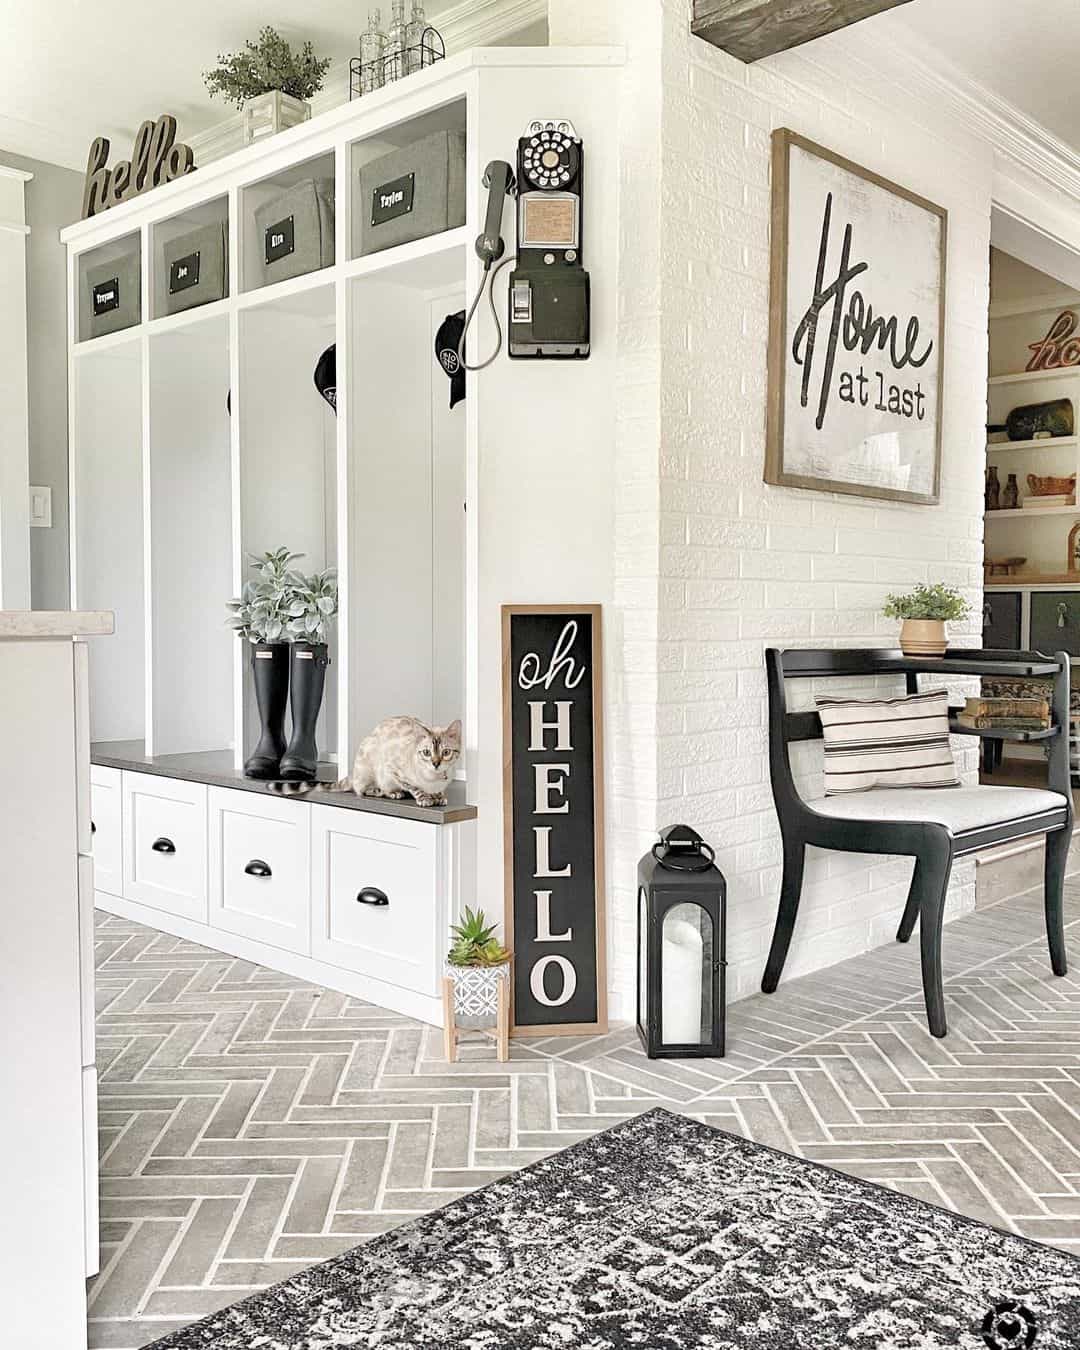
260, 616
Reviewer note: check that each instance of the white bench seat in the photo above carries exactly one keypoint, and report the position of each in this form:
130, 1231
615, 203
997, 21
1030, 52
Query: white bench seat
958, 809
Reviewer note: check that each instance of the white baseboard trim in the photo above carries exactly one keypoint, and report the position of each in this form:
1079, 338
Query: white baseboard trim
392, 997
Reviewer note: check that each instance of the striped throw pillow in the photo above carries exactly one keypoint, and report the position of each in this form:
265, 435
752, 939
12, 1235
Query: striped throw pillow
887, 742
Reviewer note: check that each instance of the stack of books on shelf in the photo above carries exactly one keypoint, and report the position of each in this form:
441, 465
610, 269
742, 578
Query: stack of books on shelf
1005, 714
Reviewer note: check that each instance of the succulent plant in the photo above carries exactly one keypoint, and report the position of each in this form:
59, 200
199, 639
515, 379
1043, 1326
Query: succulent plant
475, 943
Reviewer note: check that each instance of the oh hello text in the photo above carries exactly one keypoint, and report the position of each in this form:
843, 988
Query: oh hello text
551, 797
854, 327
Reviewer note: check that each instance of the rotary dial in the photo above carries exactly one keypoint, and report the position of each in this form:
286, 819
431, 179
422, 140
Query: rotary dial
551, 158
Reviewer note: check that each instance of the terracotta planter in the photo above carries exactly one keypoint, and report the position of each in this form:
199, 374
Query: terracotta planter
923, 637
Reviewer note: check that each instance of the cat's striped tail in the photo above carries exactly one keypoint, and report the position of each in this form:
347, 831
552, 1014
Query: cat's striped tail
287, 789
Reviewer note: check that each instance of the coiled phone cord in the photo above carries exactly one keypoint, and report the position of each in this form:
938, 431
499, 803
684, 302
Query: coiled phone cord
488, 280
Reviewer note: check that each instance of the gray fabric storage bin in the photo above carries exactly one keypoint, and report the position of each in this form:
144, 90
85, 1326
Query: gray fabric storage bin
195, 268
110, 298
429, 175
296, 230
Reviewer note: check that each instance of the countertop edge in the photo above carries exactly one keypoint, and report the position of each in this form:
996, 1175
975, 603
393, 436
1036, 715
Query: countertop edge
58, 623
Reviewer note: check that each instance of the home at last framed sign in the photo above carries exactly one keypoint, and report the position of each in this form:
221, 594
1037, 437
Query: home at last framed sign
856, 329
553, 817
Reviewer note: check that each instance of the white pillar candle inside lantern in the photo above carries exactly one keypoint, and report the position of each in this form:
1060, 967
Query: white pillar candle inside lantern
681, 983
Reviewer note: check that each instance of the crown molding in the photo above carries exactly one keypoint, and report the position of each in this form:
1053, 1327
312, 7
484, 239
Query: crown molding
31, 140
1018, 141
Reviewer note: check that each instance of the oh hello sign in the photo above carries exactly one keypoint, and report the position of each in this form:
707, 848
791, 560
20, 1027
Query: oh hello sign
157, 157
856, 329
553, 817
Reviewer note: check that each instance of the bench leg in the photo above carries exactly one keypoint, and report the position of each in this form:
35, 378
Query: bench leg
790, 891
1057, 851
911, 914
929, 883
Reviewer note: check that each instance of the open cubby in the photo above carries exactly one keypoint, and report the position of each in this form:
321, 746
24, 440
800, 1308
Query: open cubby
203, 226
407, 507
288, 453
107, 517
449, 117
258, 211
191, 569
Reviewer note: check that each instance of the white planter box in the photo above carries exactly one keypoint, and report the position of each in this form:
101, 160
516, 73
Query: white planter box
260, 117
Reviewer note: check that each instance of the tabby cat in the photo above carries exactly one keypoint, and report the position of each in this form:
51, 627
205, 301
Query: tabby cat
401, 758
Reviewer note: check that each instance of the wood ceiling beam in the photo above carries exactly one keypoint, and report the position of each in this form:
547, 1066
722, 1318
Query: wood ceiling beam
752, 29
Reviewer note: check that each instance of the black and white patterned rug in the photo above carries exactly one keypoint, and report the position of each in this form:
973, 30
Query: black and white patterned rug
662, 1234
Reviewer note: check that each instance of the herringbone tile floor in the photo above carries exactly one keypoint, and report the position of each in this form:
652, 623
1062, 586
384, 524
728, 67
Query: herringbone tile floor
252, 1124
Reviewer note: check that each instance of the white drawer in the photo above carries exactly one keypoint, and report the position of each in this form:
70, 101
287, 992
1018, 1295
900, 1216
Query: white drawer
90, 1169
260, 880
86, 956
80, 656
164, 839
105, 829
376, 908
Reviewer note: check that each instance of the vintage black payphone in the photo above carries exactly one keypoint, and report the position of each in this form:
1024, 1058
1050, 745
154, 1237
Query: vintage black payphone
548, 297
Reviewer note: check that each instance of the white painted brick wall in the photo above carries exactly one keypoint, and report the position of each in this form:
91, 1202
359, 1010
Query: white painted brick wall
712, 564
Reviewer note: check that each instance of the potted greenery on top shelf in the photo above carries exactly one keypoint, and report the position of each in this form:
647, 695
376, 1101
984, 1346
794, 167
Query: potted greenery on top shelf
924, 612
269, 82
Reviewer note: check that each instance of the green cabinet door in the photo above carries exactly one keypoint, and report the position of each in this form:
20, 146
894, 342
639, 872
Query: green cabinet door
1055, 621
1001, 620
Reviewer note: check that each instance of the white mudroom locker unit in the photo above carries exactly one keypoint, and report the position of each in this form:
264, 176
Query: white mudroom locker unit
198, 438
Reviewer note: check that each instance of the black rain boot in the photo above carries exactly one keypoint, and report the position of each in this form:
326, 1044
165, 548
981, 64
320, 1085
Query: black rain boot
270, 669
309, 661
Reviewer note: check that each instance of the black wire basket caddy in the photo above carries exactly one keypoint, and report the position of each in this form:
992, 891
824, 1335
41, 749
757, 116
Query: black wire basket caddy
367, 76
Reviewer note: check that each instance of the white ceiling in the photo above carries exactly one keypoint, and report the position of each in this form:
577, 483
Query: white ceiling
73, 69
1025, 51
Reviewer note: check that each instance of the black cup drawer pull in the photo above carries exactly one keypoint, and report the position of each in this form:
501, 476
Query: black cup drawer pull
163, 845
371, 895
93, 828
257, 868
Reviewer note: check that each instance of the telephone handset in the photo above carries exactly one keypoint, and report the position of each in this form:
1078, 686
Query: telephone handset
549, 288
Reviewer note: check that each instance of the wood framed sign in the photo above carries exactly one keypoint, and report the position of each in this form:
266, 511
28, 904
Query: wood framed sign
856, 329
553, 817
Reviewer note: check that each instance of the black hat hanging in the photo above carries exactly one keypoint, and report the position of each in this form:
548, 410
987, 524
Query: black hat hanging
326, 375
447, 341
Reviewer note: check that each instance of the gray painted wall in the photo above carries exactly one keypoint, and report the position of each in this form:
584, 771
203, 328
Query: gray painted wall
53, 199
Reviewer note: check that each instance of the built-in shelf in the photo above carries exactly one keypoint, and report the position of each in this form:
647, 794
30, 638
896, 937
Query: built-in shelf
422, 263
110, 342
1043, 443
189, 318
1032, 513
1035, 376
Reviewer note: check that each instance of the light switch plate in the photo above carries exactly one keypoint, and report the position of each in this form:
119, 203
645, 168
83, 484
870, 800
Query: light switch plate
41, 507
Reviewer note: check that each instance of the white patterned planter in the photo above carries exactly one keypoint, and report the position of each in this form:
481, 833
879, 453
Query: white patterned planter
476, 993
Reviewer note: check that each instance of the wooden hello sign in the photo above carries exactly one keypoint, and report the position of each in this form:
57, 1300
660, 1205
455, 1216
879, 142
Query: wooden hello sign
157, 157
1060, 347
553, 817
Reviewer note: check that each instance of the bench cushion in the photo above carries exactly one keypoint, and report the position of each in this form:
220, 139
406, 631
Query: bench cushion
964, 808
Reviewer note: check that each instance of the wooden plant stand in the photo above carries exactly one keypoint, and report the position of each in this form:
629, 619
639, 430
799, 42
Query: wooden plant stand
501, 1030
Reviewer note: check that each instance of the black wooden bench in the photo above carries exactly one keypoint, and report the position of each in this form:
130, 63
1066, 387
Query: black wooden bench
934, 825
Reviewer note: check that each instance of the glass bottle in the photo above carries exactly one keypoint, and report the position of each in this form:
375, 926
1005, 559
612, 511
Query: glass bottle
397, 41
414, 36
1010, 496
993, 489
372, 48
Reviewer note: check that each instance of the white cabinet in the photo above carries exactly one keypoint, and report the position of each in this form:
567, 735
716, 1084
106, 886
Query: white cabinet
86, 956
105, 829
91, 1205
164, 843
378, 906
260, 884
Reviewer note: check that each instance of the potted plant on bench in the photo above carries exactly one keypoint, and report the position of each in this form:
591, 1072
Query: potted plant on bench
924, 612
476, 983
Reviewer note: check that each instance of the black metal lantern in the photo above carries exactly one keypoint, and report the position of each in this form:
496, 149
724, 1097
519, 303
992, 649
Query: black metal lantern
682, 944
